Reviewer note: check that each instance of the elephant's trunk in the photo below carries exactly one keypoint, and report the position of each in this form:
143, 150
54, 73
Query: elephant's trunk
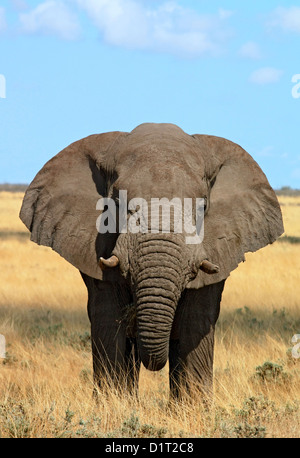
158, 285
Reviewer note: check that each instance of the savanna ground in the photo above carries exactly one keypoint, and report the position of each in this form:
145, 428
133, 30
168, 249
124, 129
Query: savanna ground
46, 378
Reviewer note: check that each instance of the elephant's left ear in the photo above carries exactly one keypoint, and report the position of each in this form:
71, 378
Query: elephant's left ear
59, 207
244, 214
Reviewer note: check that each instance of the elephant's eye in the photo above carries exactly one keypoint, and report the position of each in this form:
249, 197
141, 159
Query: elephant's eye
205, 204
132, 212
135, 215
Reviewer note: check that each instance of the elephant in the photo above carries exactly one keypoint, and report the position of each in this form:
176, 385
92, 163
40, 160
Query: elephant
153, 298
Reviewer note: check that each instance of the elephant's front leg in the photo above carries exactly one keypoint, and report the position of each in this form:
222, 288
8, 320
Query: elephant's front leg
115, 359
192, 347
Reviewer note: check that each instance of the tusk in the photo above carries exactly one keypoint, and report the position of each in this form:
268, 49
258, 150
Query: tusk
113, 261
208, 267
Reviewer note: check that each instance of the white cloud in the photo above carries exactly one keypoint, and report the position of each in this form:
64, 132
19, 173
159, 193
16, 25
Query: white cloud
51, 17
286, 19
133, 24
122, 22
2, 19
166, 27
265, 75
250, 50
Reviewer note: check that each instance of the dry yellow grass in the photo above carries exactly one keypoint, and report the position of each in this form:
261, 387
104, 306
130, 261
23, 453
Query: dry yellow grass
290, 207
46, 379
9, 209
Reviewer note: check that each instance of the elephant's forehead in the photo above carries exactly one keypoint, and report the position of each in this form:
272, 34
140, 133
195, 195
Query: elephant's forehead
169, 177
160, 159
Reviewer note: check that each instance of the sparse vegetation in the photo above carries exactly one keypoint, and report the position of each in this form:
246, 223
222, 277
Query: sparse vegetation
46, 381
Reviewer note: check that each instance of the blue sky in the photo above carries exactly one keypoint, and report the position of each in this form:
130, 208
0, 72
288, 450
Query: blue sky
73, 68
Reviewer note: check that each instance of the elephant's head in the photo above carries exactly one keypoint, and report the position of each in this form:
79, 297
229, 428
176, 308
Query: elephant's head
153, 161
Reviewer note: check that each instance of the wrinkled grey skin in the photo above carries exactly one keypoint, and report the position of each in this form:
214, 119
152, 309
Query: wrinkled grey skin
157, 304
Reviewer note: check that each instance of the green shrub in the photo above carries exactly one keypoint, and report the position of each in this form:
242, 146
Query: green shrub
271, 373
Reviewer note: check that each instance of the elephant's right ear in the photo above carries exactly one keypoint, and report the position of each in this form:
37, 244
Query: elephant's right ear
59, 207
